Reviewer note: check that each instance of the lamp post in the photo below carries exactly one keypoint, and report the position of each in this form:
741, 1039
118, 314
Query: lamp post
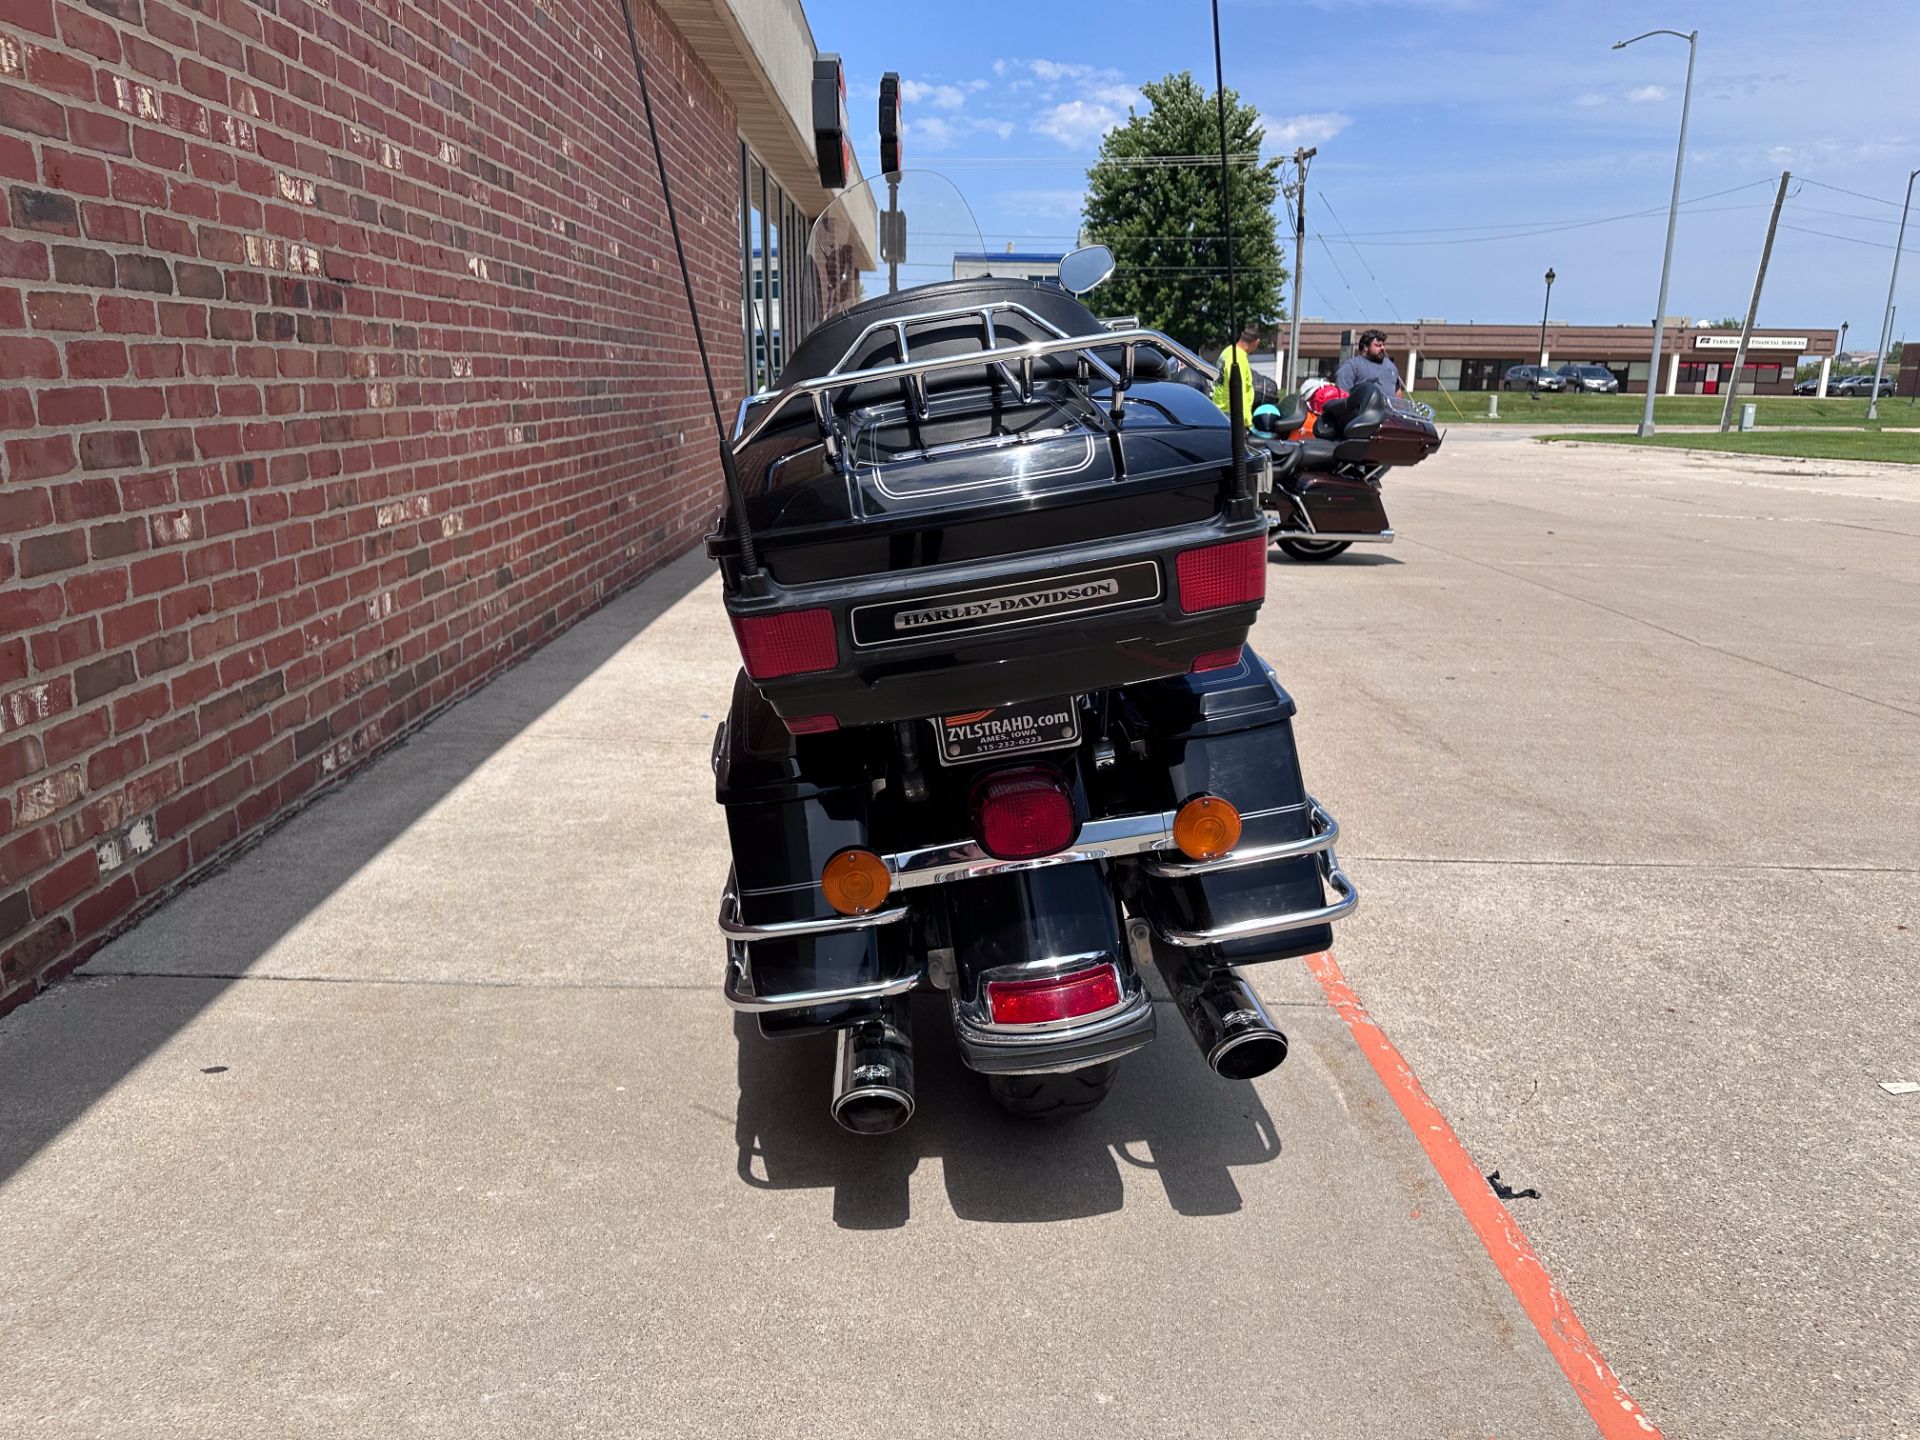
1673, 216
1886, 326
1543, 321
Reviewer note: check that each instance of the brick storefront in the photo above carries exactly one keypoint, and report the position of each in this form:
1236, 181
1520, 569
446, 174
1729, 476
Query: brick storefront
342, 361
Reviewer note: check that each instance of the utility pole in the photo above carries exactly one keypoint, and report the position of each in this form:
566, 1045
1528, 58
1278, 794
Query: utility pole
1299, 196
1886, 329
1673, 216
1753, 305
1546, 306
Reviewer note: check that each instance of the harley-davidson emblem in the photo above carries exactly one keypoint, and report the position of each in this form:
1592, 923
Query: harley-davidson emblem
1021, 604
918, 619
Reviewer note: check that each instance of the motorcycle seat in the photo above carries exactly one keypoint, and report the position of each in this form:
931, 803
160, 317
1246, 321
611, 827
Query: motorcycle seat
1357, 416
1319, 454
1286, 459
1293, 414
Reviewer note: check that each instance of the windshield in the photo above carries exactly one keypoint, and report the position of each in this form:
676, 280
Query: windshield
878, 237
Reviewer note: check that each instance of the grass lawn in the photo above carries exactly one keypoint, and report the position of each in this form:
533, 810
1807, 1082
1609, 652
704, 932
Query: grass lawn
1884, 446
1518, 407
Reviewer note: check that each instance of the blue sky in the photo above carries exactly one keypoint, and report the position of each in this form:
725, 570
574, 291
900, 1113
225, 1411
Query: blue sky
1446, 129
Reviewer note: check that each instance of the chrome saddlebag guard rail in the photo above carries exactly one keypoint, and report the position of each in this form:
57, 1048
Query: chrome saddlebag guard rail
1318, 843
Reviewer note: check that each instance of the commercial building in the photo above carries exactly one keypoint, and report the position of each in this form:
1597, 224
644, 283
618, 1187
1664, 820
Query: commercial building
1694, 360
1011, 264
343, 361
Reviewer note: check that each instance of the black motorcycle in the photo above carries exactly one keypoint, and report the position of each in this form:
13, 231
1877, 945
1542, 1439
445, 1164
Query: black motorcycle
1325, 492
998, 736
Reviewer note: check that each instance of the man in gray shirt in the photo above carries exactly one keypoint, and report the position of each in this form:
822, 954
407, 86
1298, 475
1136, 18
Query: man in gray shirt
1370, 362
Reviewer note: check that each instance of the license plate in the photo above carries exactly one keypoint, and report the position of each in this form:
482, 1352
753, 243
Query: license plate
1009, 730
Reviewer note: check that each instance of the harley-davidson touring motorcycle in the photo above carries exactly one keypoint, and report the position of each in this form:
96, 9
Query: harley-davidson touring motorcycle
1324, 490
998, 736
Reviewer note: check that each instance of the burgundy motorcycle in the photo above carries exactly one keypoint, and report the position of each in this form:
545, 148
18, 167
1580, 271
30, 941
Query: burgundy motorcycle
1324, 493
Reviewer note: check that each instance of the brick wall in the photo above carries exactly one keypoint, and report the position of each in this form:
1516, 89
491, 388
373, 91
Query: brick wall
343, 360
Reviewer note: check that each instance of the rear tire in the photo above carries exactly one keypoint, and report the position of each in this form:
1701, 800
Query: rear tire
1059, 1095
1314, 549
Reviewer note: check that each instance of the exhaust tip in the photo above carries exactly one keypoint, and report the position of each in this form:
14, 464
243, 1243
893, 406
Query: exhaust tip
878, 1111
873, 1074
1249, 1055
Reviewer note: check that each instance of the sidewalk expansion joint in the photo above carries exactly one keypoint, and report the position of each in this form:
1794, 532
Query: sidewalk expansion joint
1684, 865
1665, 630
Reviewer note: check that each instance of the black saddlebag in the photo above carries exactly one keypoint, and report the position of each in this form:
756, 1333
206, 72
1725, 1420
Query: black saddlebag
1230, 733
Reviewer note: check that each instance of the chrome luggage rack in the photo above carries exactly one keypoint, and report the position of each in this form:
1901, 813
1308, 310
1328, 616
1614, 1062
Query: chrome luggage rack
1146, 839
1003, 358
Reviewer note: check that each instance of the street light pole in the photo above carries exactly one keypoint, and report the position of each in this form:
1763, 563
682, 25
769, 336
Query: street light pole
1543, 318
1886, 327
1673, 216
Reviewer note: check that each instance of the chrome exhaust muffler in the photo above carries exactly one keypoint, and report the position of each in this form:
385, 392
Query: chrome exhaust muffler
873, 1073
1233, 1029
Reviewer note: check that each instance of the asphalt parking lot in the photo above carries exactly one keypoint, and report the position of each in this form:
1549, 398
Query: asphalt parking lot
425, 1117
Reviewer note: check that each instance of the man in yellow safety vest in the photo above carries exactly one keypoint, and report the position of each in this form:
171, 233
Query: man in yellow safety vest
1233, 358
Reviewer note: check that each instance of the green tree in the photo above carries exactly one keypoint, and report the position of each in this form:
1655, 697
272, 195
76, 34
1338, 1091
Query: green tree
1163, 221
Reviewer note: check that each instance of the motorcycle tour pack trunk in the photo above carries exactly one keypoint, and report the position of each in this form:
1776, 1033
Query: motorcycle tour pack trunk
993, 623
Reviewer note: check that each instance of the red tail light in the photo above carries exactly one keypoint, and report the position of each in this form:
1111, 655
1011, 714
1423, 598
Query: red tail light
811, 724
1221, 575
1060, 997
1022, 813
790, 642
1211, 660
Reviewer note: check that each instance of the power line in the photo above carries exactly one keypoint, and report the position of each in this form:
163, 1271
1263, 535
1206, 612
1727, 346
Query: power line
1857, 194
1850, 239
1321, 237
1394, 310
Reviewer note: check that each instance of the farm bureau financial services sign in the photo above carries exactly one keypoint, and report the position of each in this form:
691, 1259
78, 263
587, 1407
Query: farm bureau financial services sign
1795, 343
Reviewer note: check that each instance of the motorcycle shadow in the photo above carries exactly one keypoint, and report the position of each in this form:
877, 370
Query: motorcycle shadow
1168, 1117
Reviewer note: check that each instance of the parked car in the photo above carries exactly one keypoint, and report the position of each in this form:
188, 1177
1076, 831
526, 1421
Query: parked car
1811, 387
1861, 385
1591, 379
1531, 377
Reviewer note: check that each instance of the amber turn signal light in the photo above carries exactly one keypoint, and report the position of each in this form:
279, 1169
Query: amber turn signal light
856, 882
1206, 828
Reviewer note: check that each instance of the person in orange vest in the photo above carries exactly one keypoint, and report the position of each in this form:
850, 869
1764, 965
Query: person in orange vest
1233, 358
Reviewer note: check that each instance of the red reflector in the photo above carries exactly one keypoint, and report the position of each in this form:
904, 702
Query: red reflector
790, 642
1020, 813
1214, 660
1061, 997
811, 724
1220, 575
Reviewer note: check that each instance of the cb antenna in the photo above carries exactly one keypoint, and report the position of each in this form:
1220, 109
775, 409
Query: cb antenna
1236, 422
736, 502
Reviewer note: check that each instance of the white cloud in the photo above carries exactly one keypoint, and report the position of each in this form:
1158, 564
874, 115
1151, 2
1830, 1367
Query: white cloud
1054, 70
931, 131
941, 97
1000, 67
1121, 95
1304, 129
1591, 101
1647, 94
976, 86
1002, 128
1077, 124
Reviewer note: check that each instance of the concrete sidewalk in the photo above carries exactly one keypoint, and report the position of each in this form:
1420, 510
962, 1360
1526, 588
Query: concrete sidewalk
426, 1118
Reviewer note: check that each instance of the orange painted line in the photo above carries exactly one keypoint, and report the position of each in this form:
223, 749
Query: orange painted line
1599, 1389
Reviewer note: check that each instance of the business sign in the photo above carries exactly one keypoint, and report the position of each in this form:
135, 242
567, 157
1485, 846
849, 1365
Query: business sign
832, 148
1796, 343
890, 128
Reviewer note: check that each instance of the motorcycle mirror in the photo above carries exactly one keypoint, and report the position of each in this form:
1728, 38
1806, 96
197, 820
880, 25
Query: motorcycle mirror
1082, 270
